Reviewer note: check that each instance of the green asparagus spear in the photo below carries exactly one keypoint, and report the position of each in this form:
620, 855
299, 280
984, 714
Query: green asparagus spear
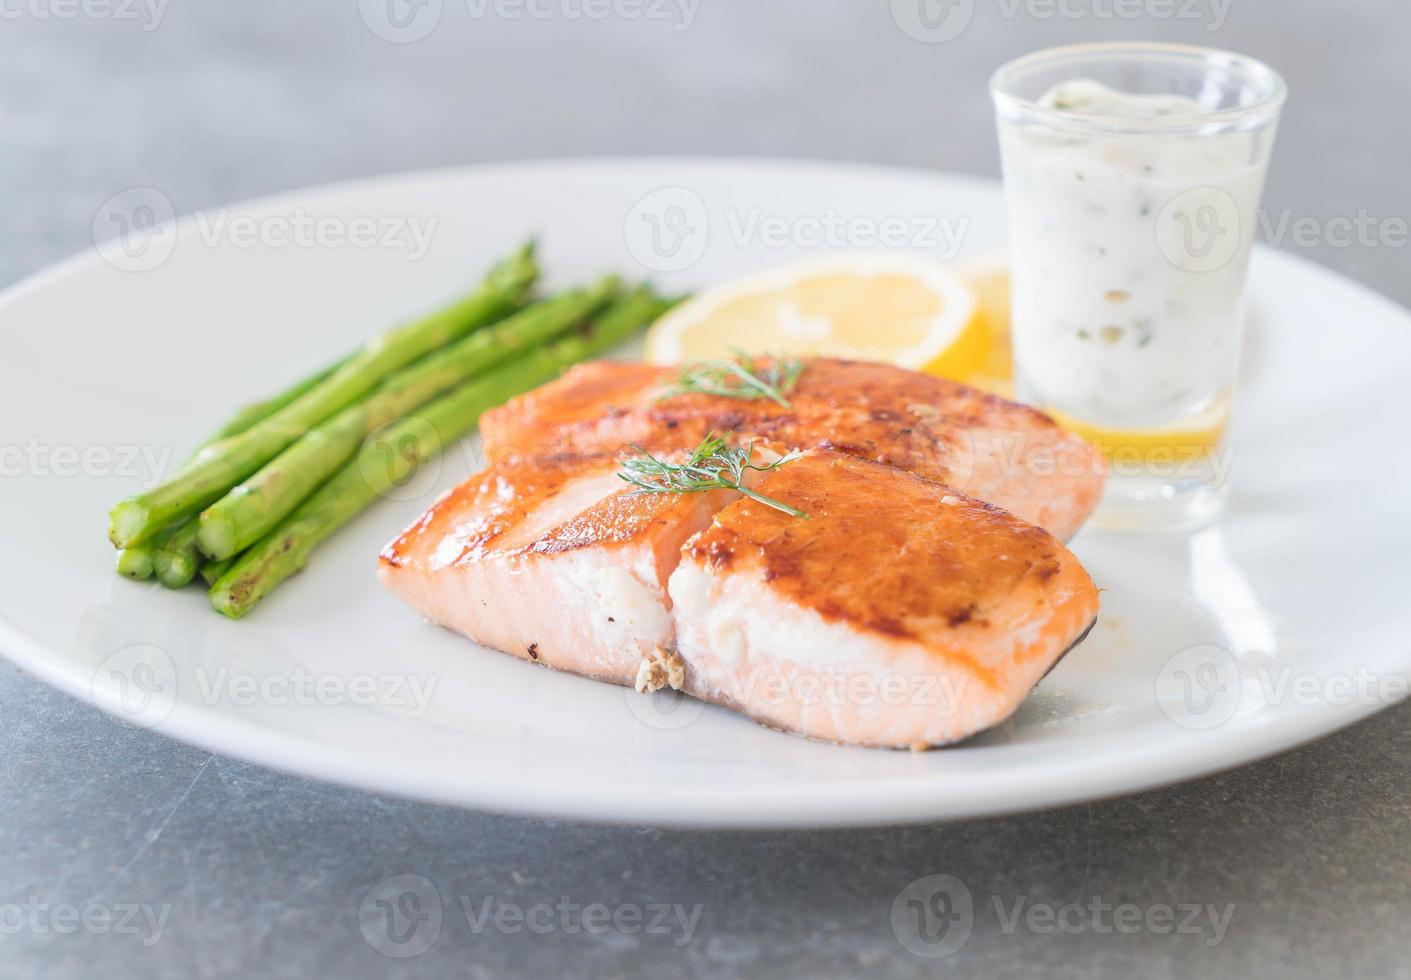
223, 464
250, 510
248, 415
137, 562
175, 559
393, 453
213, 570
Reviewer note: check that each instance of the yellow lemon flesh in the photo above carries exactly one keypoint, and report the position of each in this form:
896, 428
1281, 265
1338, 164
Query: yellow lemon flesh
1187, 441
984, 357
908, 312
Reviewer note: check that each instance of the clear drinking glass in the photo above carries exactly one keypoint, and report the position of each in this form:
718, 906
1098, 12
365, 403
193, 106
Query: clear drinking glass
1132, 209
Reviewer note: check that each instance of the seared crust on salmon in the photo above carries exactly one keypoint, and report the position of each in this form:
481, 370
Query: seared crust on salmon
990, 448
901, 613
919, 600
552, 560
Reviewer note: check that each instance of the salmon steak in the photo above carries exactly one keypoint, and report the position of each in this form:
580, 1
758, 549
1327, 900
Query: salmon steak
832, 592
554, 561
980, 444
902, 613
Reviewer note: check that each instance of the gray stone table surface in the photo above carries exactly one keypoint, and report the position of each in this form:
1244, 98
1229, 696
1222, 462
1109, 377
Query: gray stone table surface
245, 872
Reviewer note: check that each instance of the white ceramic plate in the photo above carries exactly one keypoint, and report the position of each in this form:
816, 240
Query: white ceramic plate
1285, 622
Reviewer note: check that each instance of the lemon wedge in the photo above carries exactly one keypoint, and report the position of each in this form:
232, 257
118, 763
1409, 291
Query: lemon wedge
1189, 440
909, 312
987, 359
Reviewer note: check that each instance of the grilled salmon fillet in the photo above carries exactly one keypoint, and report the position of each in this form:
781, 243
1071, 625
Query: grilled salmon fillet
902, 613
551, 560
985, 446
947, 608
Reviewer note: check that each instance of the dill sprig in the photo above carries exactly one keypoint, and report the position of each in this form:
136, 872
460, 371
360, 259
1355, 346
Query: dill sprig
735, 377
713, 465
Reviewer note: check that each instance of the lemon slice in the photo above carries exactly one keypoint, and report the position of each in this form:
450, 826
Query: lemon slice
904, 311
1190, 440
991, 365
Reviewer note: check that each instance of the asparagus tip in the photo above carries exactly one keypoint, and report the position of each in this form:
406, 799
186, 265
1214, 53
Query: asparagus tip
216, 539
225, 599
174, 571
126, 522
135, 563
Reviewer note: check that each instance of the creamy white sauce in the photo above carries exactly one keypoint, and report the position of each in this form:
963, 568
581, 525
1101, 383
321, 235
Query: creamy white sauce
1129, 253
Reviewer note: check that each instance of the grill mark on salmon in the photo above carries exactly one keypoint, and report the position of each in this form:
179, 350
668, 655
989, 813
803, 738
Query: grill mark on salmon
893, 577
983, 445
